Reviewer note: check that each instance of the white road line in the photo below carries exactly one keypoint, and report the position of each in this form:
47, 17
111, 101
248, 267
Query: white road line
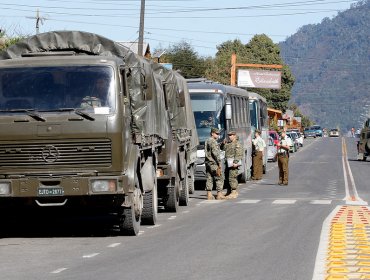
140, 232
90, 255
155, 226
113, 245
59, 270
320, 263
322, 201
284, 201
212, 201
185, 212
172, 218
249, 201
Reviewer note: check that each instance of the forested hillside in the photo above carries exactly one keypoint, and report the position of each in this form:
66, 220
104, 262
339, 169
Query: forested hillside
331, 64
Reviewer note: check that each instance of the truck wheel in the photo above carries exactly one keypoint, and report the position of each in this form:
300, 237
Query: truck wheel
364, 158
264, 169
172, 201
150, 207
184, 193
191, 180
130, 217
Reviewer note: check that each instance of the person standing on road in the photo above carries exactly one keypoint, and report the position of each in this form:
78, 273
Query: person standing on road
234, 156
213, 165
283, 158
257, 160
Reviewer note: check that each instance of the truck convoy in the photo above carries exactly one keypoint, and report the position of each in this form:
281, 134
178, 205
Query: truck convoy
363, 144
88, 124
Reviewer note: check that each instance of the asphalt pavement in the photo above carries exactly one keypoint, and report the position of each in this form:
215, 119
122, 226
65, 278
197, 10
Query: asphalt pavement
268, 232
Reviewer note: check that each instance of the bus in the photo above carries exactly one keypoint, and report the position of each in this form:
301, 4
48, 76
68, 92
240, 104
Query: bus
259, 120
224, 107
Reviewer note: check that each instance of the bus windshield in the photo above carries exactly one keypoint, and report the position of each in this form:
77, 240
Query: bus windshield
52, 88
208, 112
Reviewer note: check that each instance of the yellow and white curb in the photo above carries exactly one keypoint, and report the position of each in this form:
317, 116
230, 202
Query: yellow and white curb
344, 251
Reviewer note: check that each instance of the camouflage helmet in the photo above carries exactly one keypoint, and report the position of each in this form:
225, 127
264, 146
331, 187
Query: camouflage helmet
215, 130
231, 132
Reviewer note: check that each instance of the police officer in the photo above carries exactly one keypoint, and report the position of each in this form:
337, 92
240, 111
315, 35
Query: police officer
213, 165
234, 156
283, 158
259, 147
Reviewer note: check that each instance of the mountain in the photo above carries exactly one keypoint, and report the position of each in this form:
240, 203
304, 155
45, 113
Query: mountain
331, 64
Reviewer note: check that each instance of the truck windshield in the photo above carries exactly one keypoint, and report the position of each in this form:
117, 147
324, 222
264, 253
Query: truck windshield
209, 112
89, 88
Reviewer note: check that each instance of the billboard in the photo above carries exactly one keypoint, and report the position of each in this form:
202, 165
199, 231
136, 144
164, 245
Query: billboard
259, 79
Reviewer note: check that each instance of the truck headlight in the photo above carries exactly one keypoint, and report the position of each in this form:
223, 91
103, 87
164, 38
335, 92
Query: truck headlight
98, 186
4, 188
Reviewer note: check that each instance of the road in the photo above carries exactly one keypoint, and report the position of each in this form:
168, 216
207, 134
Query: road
269, 232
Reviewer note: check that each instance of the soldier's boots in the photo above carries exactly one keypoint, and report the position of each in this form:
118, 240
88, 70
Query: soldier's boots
210, 195
220, 196
233, 195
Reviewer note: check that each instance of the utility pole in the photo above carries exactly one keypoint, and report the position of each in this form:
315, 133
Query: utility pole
141, 28
38, 20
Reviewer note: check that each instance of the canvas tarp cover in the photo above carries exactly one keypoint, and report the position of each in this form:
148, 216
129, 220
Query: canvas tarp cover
149, 116
181, 118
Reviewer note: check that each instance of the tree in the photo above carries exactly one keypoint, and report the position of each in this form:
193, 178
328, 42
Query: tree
185, 59
261, 50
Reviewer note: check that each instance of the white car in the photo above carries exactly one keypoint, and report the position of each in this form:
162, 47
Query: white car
334, 132
271, 150
300, 138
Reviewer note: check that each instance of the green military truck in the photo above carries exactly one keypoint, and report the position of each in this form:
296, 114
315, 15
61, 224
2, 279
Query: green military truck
363, 144
86, 123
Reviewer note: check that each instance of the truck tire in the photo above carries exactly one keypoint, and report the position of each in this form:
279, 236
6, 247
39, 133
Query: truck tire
150, 207
129, 221
184, 193
172, 201
191, 180
130, 217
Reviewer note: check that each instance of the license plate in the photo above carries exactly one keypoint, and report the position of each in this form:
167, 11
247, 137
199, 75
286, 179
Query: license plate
56, 191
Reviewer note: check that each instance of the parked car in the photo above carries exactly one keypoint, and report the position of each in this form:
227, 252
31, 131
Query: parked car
293, 136
271, 150
300, 136
318, 130
309, 132
275, 136
334, 132
300, 139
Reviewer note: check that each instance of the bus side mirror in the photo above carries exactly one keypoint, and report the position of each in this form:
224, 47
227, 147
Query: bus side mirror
228, 110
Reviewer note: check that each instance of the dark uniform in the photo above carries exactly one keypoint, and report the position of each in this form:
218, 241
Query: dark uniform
213, 162
234, 157
283, 159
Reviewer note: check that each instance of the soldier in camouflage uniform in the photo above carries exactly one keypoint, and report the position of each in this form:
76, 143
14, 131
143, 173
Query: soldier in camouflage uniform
234, 156
213, 164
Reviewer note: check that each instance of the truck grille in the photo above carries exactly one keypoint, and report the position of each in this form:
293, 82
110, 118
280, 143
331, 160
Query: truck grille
54, 153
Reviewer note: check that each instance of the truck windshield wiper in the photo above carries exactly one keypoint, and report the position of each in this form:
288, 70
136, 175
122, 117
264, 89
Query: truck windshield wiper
31, 112
78, 112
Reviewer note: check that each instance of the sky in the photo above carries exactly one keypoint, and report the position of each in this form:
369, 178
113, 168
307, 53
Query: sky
202, 23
